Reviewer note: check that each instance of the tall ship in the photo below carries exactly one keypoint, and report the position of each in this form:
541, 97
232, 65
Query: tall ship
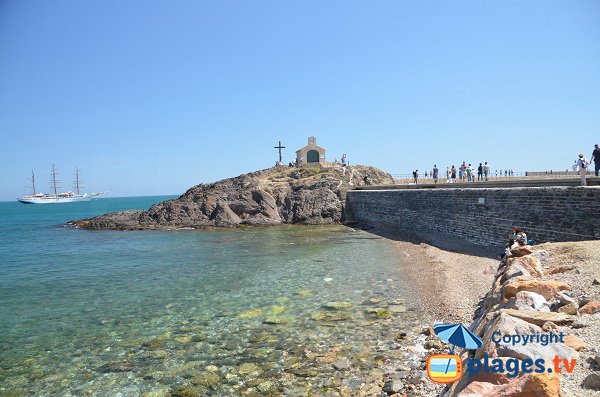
55, 197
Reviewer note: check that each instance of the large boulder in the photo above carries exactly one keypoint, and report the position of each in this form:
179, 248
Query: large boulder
548, 289
527, 300
541, 318
530, 385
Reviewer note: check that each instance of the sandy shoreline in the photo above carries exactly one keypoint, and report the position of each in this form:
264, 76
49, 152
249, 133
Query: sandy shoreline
446, 285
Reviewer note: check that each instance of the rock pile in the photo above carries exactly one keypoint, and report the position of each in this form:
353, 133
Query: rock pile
524, 301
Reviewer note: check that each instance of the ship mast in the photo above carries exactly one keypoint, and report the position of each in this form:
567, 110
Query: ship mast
33, 182
77, 183
54, 180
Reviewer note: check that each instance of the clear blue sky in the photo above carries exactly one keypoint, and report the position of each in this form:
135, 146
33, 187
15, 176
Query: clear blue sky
152, 97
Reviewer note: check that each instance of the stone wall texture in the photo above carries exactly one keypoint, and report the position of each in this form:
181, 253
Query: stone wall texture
482, 216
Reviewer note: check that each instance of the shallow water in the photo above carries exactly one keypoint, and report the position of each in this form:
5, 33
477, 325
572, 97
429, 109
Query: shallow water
226, 312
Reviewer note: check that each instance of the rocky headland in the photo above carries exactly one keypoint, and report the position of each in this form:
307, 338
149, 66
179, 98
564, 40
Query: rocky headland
278, 195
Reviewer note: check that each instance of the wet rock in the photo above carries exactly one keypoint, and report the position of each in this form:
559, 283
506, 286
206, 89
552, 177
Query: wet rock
341, 364
248, 369
187, 391
397, 309
379, 312
207, 379
153, 343
250, 313
330, 316
338, 305
306, 372
162, 392
265, 387
393, 386
277, 309
158, 354
305, 293
123, 366
375, 301
274, 320
184, 339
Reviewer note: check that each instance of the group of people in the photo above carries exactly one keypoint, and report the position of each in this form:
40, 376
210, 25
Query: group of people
581, 164
464, 173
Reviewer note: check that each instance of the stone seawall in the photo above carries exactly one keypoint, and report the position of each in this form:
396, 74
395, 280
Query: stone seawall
480, 216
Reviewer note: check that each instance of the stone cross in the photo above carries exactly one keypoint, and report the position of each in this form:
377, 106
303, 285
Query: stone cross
279, 147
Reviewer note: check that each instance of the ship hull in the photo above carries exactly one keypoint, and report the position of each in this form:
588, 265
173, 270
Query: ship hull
53, 199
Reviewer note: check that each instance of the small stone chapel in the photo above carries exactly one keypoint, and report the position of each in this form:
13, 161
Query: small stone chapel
311, 153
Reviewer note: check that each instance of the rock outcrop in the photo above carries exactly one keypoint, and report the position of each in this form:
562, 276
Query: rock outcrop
269, 197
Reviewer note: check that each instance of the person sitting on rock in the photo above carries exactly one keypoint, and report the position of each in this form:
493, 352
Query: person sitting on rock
516, 238
519, 236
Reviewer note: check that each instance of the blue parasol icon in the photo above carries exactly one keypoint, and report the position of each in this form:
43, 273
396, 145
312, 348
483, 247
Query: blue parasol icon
458, 335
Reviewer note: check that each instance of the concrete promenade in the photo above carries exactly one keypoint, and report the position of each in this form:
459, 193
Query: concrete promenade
504, 183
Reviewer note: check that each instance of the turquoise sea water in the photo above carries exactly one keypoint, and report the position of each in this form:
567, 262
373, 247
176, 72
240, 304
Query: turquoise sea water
225, 312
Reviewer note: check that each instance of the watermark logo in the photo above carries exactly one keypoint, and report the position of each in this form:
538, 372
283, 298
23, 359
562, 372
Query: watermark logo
444, 368
449, 368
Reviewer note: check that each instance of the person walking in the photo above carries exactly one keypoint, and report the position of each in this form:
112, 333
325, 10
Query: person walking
463, 171
416, 175
480, 172
486, 170
448, 175
453, 174
434, 173
582, 167
470, 173
596, 159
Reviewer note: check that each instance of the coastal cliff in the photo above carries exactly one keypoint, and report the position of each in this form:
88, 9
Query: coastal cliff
278, 195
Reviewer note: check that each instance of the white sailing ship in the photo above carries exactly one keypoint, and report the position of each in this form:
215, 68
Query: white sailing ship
57, 198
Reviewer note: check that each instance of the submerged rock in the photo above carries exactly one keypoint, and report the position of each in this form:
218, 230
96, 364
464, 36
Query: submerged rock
330, 316
337, 305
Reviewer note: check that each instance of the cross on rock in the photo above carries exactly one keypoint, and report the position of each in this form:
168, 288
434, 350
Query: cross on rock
279, 147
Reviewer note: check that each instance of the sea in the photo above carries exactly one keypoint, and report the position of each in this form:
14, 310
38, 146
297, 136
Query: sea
285, 310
